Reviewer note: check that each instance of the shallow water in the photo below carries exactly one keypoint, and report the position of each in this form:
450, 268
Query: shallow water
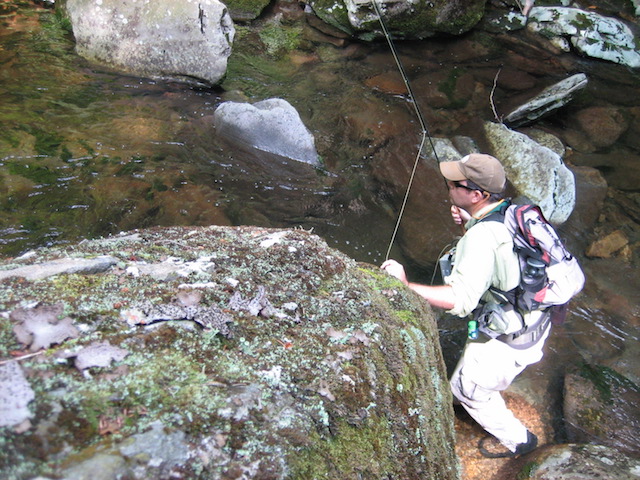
86, 152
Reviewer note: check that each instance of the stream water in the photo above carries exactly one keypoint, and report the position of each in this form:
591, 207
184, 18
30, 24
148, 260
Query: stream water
86, 152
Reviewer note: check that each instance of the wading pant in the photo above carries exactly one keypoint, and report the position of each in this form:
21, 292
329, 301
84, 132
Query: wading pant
485, 369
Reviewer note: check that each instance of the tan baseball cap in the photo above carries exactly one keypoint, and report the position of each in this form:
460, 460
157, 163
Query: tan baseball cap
482, 169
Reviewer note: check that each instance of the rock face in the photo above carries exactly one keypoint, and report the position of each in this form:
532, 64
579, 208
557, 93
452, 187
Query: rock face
183, 39
272, 125
318, 368
404, 19
537, 172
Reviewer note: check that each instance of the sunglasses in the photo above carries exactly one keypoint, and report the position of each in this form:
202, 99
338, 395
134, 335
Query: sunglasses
471, 187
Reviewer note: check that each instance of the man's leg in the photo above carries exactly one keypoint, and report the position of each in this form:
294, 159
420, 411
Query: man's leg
484, 370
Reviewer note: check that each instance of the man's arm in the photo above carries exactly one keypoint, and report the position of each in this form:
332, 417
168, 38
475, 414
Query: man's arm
440, 296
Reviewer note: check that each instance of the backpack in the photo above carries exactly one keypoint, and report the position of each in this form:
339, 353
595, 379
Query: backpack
549, 275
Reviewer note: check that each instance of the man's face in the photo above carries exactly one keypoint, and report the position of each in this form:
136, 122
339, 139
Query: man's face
461, 194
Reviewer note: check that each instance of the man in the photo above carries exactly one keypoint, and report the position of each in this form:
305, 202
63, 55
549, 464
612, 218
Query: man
484, 259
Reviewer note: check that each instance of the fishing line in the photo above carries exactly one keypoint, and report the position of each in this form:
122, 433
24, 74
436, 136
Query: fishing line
423, 124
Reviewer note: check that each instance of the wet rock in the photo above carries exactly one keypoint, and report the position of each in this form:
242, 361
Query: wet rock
620, 167
602, 125
547, 101
271, 125
572, 462
602, 406
590, 33
189, 41
591, 191
608, 246
536, 172
404, 18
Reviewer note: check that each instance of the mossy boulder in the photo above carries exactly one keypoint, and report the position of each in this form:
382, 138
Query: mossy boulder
220, 352
404, 19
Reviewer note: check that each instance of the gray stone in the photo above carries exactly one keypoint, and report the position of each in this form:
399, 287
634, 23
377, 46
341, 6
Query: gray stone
536, 172
547, 101
157, 446
272, 125
183, 39
590, 33
102, 466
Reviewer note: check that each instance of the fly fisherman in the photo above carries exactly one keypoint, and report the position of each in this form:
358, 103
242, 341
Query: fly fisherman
484, 258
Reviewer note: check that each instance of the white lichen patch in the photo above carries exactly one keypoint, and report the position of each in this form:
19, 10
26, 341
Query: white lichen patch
15, 395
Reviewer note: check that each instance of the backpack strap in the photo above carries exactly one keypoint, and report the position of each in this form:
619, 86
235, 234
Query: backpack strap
528, 335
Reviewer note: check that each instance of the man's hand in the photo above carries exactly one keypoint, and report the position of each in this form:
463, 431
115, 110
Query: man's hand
460, 216
395, 269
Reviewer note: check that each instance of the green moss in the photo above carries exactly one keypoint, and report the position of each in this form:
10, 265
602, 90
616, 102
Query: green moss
527, 471
605, 380
279, 38
38, 174
353, 452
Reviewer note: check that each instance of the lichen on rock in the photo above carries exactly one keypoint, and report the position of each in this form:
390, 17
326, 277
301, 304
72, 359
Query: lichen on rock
331, 368
15, 395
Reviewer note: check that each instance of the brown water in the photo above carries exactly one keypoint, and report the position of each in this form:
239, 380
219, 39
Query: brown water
86, 152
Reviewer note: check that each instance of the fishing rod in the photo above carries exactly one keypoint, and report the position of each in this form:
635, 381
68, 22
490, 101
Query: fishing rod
423, 125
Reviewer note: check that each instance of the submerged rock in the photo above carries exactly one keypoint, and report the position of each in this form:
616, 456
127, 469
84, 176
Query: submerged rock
602, 406
271, 125
334, 369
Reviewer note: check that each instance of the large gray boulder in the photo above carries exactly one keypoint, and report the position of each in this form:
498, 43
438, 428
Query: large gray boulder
219, 352
271, 125
590, 33
175, 39
403, 18
536, 171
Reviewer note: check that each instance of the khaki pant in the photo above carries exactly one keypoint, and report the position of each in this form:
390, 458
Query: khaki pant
485, 369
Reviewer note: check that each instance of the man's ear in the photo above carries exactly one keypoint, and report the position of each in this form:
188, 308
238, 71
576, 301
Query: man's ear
479, 196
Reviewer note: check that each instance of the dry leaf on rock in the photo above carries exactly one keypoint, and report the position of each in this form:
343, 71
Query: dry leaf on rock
99, 355
40, 327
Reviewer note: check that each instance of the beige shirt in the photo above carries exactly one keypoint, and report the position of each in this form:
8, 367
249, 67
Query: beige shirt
484, 257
